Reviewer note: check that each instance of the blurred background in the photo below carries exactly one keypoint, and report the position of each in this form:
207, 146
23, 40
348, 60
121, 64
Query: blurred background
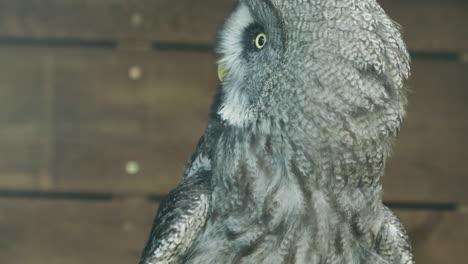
102, 102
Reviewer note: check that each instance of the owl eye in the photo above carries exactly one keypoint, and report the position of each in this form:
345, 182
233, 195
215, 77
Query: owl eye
260, 41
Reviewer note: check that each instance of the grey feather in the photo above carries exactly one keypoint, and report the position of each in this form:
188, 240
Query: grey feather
182, 215
298, 139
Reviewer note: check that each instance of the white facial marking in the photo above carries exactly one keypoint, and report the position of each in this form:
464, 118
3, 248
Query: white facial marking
235, 106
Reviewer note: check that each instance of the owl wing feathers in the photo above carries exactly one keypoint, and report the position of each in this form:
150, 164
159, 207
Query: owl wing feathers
180, 217
393, 242
183, 213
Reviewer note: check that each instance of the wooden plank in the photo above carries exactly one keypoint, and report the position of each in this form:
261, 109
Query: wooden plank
163, 20
19, 164
437, 237
113, 110
76, 232
131, 94
125, 165
431, 25
45, 179
119, 109
73, 232
429, 162
20, 99
438, 26
23, 121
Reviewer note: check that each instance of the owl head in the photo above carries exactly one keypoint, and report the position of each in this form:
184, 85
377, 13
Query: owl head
319, 67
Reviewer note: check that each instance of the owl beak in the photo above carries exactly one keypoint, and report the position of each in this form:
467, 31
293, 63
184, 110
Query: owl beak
221, 72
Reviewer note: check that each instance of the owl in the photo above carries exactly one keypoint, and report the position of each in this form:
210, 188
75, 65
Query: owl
311, 98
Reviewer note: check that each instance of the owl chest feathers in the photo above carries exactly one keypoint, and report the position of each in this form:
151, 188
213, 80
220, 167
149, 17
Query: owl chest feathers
276, 200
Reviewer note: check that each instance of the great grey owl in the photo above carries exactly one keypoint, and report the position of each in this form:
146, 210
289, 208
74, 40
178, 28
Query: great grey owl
288, 171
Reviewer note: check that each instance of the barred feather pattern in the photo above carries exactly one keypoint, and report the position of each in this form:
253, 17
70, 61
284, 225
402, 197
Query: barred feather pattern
181, 217
299, 136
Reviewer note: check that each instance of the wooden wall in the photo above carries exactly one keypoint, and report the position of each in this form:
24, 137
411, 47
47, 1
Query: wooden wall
102, 101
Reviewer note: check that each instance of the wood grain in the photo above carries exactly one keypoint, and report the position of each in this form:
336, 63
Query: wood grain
436, 25
162, 20
73, 232
429, 162
109, 108
20, 164
108, 165
433, 25
20, 96
437, 237
24, 120
108, 116
76, 232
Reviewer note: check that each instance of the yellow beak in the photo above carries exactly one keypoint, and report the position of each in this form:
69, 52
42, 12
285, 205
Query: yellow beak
221, 72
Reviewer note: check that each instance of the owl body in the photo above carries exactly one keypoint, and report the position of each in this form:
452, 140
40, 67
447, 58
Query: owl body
290, 164
277, 207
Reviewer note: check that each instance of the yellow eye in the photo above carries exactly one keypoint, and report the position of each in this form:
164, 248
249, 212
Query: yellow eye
260, 40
